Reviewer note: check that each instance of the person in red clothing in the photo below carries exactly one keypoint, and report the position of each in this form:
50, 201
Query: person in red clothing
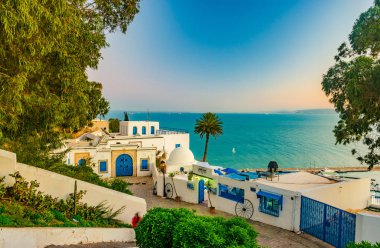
135, 220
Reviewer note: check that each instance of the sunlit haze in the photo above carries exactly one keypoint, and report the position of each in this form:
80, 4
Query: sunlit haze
226, 56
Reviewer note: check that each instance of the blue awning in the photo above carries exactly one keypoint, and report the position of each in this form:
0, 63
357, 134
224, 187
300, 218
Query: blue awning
231, 170
235, 177
252, 175
270, 195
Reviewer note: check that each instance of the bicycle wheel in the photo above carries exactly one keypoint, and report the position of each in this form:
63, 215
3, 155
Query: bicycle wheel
244, 209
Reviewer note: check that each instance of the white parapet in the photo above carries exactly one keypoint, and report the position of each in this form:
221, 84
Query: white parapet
61, 186
39, 237
367, 227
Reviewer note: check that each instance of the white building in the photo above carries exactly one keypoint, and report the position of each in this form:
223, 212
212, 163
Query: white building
132, 152
274, 201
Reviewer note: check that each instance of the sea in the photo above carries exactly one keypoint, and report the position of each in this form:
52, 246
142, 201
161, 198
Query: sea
297, 139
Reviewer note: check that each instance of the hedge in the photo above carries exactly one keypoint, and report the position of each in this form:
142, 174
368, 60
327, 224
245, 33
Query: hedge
164, 228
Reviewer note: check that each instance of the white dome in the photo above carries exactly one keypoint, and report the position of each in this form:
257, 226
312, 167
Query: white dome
180, 156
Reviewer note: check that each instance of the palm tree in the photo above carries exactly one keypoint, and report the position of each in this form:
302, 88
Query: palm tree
208, 124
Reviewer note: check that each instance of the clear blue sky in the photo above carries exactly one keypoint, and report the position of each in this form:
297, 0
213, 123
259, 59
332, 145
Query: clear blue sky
225, 55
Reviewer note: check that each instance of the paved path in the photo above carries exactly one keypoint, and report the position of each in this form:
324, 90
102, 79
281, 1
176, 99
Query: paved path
269, 236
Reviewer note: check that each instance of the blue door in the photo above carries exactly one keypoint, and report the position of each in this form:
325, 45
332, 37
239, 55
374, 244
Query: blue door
82, 162
124, 165
201, 191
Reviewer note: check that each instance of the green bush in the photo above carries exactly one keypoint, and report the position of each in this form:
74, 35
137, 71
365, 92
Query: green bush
156, 228
182, 228
23, 205
363, 244
84, 173
119, 184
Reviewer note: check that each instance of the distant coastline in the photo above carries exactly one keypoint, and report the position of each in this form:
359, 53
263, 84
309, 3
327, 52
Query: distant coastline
299, 111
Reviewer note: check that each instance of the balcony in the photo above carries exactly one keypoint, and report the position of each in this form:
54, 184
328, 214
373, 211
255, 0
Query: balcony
169, 130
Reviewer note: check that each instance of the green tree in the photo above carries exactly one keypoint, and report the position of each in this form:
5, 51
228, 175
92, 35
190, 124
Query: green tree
208, 124
126, 118
114, 125
45, 49
353, 86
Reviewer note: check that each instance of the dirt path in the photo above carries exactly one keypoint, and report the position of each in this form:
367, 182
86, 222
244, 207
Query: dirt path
269, 236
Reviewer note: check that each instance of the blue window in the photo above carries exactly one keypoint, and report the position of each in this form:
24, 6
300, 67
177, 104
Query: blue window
68, 161
82, 162
231, 193
177, 145
143, 130
134, 130
270, 203
152, 130
103, 166
144, 164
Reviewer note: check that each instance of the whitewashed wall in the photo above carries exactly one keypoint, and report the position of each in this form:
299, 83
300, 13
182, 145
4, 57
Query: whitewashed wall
146, 154
126, 127
39, 237
61, 186
103, 155
367, 227
186, 194
289, 217
348, 195
70, 156
172, 139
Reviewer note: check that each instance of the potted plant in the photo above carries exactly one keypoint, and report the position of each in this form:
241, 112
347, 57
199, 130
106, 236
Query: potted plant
177, 197
190, 176
209, 185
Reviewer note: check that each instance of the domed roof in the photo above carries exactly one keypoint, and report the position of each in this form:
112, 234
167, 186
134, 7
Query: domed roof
180, 156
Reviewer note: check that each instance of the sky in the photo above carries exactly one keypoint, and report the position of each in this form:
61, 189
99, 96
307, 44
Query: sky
225, 55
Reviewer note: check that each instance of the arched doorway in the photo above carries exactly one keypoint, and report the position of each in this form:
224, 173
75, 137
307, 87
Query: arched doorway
82, 162
124, 165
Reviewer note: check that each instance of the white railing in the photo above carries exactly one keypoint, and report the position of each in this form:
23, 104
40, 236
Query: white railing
375, 201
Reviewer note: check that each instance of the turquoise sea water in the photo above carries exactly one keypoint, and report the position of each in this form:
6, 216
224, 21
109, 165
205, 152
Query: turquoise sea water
293, 140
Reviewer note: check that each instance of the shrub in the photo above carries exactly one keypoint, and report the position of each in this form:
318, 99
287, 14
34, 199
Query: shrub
198, 232
84, 173
24, 205
363, 244
156, 228
182, 228
119, 184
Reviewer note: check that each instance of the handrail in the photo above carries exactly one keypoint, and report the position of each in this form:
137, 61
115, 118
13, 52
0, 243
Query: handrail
169, 130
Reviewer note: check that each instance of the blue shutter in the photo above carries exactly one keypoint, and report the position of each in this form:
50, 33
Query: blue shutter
143, 130
134, 130
144, 164
177, 145
103, 166
152, 130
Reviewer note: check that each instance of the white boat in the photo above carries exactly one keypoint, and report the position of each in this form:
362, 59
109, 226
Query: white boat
233, 150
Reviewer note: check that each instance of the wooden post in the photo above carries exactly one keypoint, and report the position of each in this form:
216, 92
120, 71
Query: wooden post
75, 198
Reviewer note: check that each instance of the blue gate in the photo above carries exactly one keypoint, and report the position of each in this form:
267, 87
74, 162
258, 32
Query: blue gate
201, 191
124, 165
330, 224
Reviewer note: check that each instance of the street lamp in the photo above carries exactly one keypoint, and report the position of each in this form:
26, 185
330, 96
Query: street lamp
163, 170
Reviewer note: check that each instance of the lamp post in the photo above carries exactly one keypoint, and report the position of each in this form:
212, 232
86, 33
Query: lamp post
163, 170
